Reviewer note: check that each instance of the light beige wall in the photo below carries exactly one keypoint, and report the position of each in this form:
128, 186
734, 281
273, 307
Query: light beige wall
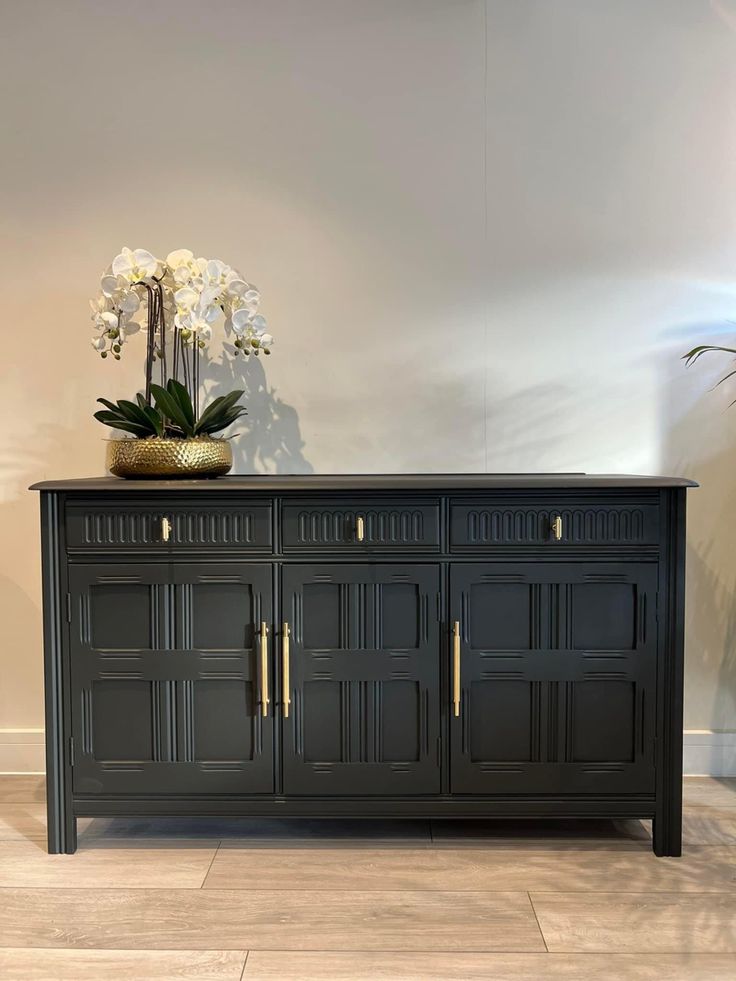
484, 232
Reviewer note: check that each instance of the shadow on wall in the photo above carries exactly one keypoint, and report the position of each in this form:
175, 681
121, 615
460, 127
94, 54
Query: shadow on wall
24, 457
269, 438
701, 443
530, 425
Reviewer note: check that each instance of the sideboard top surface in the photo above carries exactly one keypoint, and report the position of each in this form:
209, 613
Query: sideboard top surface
370, 482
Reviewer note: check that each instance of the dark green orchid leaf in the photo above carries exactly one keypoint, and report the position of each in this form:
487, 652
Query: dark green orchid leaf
216, 410
132, 412
172, 415
123, 425
178, 392
169, 406
110, 405
225, 420
155, 418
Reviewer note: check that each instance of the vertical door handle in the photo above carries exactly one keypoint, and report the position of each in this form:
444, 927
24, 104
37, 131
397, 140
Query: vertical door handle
456, 668
165, 529
360, 528
557, 528
264, 668
285, 683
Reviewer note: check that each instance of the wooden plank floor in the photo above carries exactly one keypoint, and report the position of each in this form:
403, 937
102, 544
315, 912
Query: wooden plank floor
276, 900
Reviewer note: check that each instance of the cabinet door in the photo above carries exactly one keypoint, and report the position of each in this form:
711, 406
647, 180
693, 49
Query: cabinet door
557, 668
165, 679
364, 679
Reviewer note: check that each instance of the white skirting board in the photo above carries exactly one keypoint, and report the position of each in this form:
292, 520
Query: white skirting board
22, 751
706, 753
709, 753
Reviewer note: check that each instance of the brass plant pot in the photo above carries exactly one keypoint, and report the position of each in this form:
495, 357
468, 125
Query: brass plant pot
161, 457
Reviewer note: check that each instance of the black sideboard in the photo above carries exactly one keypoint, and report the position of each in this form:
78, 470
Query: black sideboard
469, 645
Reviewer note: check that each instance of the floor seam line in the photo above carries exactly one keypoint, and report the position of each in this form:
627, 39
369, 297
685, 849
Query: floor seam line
341, 950
209, 867
539, 925
349, 892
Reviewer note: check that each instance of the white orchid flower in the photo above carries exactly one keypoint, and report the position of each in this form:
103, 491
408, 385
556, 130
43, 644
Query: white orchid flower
134, 265
186, 298
182, 275
210, 293
236, 286
129, 301
179, 257
211, 313
194, 293
251, 298
217, 272
107, 320
112, 284
240, 320
98, 305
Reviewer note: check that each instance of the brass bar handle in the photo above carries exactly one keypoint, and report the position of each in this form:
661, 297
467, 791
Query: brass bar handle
360, 528
456, 668
557, 528
165, 529
285, 683
265, 700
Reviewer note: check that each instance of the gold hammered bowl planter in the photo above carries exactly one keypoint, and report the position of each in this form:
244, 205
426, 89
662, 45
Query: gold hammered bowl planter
161, 457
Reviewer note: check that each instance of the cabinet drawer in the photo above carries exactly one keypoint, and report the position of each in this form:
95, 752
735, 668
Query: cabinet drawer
485, 523
362, 525
107, 526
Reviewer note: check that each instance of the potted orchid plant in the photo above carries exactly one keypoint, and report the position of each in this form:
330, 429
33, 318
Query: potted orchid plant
175, 303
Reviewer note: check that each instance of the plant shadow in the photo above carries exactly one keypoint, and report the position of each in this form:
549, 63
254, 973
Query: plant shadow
268, 439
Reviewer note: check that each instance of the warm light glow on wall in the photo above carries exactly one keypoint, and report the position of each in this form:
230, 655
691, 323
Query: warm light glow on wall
474, 254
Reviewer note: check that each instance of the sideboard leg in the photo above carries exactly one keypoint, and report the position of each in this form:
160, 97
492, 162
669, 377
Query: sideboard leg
667, 832
62, 832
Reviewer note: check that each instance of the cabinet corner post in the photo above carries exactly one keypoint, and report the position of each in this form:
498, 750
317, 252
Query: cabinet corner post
62, 834
667, 824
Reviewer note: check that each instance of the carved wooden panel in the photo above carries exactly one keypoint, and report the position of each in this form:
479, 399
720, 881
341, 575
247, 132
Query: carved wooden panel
558, 673
507, 523
229, 527
391, 525
165, 679
364, 679
90, 526
112, 700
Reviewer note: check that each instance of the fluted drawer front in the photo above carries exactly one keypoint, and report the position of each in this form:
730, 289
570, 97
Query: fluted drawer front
487, 523
362, 524
177, 526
